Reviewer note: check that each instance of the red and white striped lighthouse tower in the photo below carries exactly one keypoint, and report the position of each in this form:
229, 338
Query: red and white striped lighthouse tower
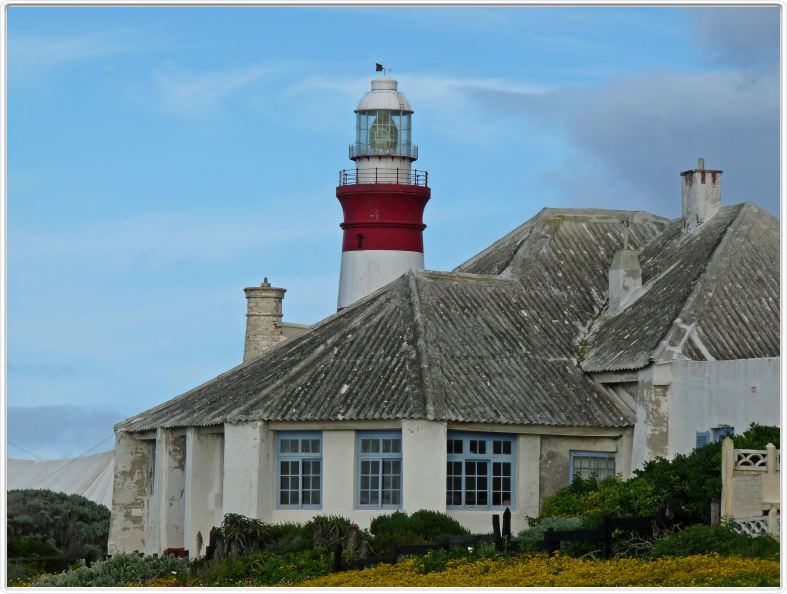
383, 198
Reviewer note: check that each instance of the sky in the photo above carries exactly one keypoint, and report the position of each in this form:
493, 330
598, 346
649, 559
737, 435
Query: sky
162, 159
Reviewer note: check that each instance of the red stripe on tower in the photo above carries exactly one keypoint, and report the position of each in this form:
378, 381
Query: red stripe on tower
383, 199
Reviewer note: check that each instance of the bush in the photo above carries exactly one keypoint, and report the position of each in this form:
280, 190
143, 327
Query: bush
532, 539
686, 485
267, 569
74, 525
390, 524
382, 545
723, 540
120, 570
433, 561
431, 526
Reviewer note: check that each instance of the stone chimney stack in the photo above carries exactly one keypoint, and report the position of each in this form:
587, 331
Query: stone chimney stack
263, 319
625, 276
701, 195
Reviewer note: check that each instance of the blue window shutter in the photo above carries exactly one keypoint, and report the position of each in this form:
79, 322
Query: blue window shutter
702, 438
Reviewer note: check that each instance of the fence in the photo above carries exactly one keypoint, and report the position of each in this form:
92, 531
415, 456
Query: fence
750, 488
553, 538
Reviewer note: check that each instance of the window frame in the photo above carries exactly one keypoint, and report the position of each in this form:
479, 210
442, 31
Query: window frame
589, 453
490, 458
381, 456
719, 432
300, 457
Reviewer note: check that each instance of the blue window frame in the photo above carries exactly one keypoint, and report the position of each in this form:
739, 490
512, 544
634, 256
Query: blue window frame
586, 465
299, 470
480, 470
379, 469
719, 433
702, 439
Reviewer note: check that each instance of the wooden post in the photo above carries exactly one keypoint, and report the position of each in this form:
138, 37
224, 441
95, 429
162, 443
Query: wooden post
496, 531
606, 530
395, 553
507, 524
715, 511
337, 557
552, 545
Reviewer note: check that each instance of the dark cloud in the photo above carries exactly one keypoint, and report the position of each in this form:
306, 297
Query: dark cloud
744, 37
630, 138
53, 432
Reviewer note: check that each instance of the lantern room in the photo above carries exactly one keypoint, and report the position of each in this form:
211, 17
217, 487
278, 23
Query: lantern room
383, 123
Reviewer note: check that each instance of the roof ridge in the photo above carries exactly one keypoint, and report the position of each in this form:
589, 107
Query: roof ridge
702, 281
420, 347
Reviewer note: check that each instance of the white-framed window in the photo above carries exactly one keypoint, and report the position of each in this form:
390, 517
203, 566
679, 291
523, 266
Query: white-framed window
299, 470
480, 470
586, 465
379, 469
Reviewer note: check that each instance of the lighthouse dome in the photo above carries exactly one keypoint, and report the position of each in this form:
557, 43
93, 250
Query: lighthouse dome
384, 96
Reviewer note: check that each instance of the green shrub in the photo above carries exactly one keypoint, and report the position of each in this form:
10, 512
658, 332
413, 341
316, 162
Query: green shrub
382, 545
268, 569
532, 539
430, 525
120, 570
687, 484
433, 526
74, 525
435, 560
723, 540
390, 523
756, 437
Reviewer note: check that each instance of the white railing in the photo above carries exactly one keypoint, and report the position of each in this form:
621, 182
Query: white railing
753, 525
751, 460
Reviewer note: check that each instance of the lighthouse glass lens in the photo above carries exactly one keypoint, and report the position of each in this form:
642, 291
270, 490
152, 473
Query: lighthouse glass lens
383, 135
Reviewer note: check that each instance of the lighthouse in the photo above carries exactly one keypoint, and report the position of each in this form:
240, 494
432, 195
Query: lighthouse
383, 197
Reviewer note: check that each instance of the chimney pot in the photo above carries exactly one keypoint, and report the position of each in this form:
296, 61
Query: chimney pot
701, 195
263, 319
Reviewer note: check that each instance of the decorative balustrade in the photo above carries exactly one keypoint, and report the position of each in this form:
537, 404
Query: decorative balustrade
751, 460
753, 525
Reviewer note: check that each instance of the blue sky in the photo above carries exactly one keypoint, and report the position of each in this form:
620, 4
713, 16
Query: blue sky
162, 159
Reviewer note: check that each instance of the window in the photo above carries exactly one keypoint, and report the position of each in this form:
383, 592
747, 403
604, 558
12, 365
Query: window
479, 470
379, 470
719, 433
702, 439
299, 464
592, 464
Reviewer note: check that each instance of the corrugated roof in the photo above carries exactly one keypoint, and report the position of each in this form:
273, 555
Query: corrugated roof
445, 346
714, 292
498, 340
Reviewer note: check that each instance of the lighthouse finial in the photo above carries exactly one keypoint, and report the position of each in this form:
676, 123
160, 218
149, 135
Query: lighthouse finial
380, 68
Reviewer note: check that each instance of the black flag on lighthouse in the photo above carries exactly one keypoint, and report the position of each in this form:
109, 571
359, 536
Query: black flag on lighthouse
378, 67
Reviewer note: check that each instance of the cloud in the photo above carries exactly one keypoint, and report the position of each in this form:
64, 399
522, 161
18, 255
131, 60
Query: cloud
743, 37
60, 431
30, 53
187, 92
443, 102
641, 131
630, 137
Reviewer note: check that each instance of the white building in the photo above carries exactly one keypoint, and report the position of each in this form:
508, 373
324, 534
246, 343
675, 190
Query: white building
584, 341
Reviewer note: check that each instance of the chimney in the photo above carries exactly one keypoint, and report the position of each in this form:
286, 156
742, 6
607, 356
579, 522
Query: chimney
625, 276
701, 195
263, 319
